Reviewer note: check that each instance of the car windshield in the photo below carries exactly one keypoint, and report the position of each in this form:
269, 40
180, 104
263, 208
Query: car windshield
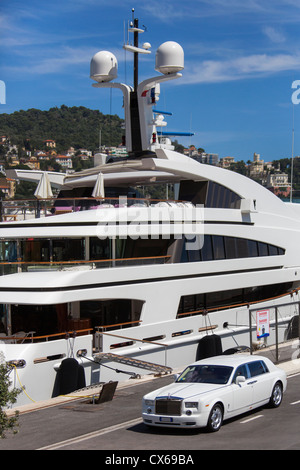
209, 374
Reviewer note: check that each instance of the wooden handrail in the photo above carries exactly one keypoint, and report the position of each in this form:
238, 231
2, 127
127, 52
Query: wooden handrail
50, 263
19, 338
118, 324
207, 328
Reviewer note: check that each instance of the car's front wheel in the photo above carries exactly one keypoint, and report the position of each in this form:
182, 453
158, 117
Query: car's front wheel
215, 418
277, 395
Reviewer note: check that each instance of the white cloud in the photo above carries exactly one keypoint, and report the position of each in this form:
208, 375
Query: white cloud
279, 10
60, 60
252, 66
274, 34
47, 64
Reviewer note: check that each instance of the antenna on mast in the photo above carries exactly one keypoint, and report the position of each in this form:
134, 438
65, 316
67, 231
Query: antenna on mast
134, 28
134, 106
140, 119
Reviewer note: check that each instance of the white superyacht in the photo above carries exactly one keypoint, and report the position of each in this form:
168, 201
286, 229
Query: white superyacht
112, 283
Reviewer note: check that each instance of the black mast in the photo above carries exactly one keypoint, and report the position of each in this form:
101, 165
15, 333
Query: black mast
134, 107
136, 55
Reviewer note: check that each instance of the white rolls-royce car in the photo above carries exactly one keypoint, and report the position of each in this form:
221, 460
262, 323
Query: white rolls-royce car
214, 389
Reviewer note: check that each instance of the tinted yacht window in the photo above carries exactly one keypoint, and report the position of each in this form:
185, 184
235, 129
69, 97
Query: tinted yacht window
219, 196
207, 251
252, 248
231, 248
217, 247
263, 249
197, 304
273, 250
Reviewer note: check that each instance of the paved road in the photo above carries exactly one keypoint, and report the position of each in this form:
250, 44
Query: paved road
117, 426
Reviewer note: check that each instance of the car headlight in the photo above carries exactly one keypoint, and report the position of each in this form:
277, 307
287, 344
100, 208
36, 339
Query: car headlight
191, 404
149, 402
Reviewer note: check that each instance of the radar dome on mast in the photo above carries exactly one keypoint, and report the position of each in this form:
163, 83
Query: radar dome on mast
104, 67
169, 58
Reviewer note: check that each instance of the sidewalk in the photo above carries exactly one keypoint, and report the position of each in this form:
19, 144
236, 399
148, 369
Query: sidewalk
288, 356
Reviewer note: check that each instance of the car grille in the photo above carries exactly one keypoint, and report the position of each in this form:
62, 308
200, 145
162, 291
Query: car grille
168, 406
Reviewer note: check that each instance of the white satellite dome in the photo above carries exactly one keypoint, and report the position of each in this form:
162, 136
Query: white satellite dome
169, 58
104, 67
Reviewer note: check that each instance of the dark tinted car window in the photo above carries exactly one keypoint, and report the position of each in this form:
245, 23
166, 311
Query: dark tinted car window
257, 368
241, 370
206, 374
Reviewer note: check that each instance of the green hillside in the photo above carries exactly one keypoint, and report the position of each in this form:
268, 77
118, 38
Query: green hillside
78, 127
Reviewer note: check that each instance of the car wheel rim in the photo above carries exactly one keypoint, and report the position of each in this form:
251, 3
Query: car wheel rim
216, 418
277, 394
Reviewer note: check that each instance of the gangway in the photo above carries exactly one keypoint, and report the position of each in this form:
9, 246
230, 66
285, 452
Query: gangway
156, 368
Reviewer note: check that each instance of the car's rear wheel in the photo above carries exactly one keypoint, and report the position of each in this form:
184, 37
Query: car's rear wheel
215, 418
277, 395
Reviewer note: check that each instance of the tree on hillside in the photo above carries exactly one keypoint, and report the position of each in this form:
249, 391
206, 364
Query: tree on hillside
239, 167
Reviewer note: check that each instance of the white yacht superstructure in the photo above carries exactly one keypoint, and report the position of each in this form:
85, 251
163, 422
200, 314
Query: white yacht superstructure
112, 283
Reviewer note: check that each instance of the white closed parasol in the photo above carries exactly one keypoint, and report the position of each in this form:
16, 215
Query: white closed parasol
98, 190
43, 190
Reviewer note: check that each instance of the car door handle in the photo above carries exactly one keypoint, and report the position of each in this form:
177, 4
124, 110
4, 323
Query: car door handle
252, 382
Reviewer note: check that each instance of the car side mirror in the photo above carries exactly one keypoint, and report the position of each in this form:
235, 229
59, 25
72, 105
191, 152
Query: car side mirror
240, 379
175, 377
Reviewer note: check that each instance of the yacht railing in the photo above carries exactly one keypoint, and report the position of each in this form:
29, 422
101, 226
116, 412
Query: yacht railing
13, 267
25, 209
22, 337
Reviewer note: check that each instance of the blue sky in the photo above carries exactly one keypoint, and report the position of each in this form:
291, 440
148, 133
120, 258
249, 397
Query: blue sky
241, 58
